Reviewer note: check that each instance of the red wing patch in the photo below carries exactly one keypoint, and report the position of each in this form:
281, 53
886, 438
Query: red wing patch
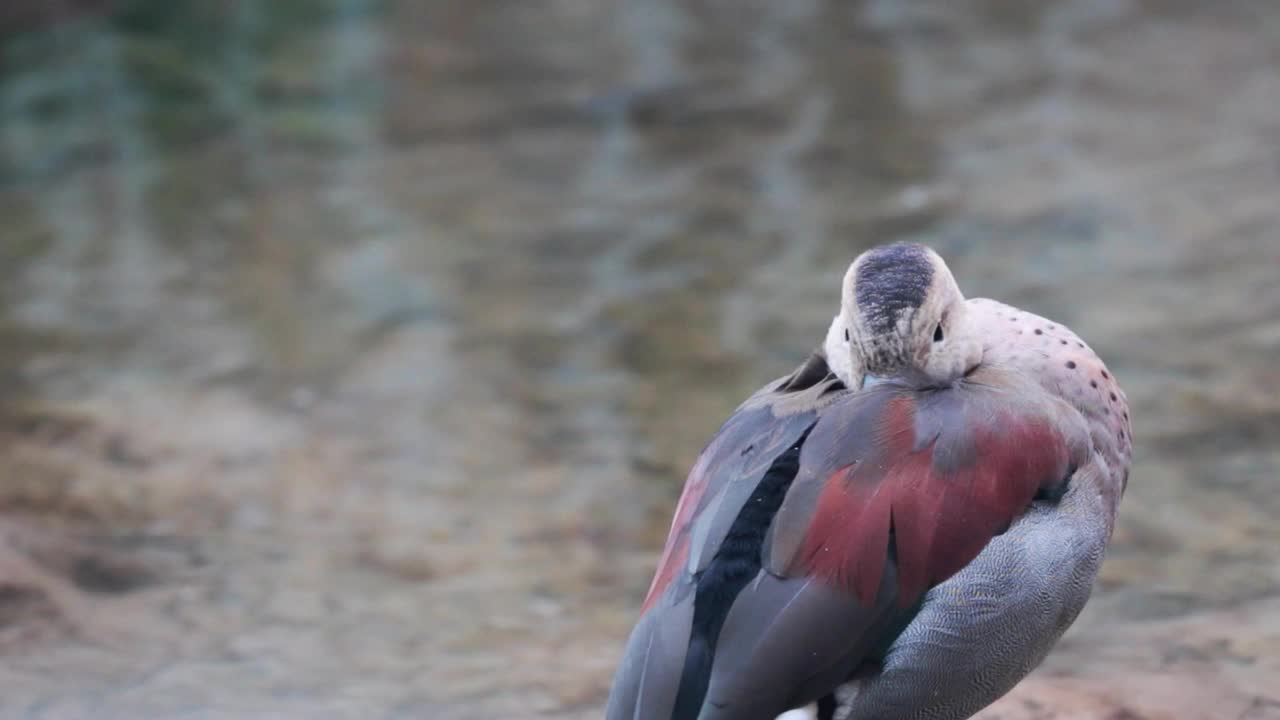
676, 551
674, 554
938, 509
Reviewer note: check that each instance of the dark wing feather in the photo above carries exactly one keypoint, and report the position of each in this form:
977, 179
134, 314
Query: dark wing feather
721, 480
648, 677
720, 484
787, 642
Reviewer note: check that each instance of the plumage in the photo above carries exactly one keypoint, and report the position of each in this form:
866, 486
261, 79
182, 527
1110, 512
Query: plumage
881, 542
719, 484
943, 473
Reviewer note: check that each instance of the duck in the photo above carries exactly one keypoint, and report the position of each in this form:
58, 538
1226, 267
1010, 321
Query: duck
899, 529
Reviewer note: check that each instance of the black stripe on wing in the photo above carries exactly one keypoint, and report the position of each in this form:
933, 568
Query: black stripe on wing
736, 562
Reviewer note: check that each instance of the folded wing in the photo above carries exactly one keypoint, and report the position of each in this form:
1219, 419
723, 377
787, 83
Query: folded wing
758, 605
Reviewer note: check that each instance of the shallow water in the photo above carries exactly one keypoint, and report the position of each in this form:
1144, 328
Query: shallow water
350, 361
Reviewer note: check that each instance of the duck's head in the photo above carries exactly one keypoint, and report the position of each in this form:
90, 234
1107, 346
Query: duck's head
902, 319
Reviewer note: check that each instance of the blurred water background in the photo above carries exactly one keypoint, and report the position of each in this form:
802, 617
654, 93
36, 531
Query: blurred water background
352, 352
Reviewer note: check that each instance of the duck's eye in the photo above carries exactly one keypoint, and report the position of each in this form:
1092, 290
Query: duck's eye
937, 333
846, 334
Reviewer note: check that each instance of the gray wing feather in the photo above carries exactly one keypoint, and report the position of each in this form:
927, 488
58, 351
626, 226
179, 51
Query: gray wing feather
786, 642
647, 680
753, 440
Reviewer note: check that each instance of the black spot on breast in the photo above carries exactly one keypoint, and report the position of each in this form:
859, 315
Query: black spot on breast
890, 280
1071, 364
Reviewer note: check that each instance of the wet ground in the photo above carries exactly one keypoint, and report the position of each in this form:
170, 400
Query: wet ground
350, 361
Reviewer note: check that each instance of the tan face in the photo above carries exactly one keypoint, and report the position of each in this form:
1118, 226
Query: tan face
902, 317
